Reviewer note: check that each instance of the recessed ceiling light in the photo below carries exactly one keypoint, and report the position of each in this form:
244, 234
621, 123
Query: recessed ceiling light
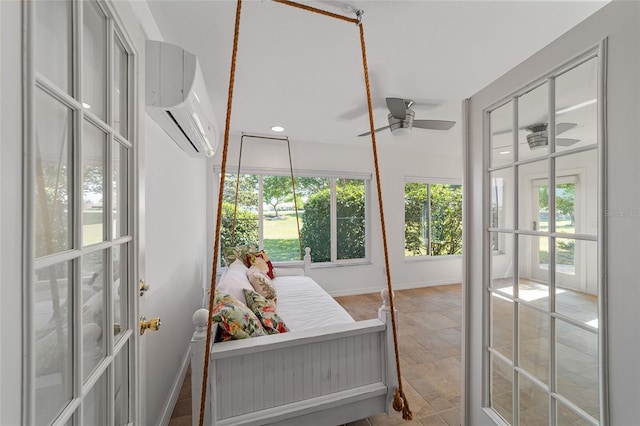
505, 152
277, 128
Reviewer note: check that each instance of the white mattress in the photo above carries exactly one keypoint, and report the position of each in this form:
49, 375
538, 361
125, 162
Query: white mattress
303, 304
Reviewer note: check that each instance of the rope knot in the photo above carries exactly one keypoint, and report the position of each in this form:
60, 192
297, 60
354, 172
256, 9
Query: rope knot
401, 404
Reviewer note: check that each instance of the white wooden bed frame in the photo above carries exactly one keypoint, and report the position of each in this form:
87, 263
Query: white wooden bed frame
325, 376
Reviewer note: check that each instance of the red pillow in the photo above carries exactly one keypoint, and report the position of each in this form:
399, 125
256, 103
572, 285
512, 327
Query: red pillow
261, 261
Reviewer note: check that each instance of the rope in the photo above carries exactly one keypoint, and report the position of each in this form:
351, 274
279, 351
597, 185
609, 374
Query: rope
400, 401
216, 239
295, 199
319, 11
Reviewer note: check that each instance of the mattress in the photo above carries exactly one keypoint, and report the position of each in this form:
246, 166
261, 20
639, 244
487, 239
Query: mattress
303, 304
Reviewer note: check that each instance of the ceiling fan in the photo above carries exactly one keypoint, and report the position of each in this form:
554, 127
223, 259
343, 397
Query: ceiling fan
539, 137
402, 119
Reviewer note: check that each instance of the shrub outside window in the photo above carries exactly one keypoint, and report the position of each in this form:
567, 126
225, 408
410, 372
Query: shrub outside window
433, 219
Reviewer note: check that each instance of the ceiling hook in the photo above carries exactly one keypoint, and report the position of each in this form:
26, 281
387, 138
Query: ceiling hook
359, 14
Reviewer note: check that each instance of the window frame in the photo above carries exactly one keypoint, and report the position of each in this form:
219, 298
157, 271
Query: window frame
427, 181
333, 177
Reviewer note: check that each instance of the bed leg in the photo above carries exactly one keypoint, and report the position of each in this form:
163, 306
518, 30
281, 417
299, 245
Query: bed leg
384, 315
198, 347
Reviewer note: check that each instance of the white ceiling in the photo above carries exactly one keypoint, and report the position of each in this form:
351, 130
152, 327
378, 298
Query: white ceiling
304, 71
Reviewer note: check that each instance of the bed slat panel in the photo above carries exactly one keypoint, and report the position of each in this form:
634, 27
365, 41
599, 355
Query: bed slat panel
272, 378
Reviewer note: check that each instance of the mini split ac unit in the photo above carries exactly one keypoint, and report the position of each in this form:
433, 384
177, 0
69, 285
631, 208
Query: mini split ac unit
177, 98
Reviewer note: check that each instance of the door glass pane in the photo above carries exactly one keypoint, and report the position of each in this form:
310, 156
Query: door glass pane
502, 263
534, 403
502, 201
502, 325
53, 340
577, 280
53, 41
567, 417
533, 270
93, 167
93, 311
121, 89
502, 388
533, 334
120, 289
120, 183
95, 404
279, 226
350, 218
502, 135
54, 207
577, 363
94, 60
577, 193
577, 107
121, 386
533, 118
533, 198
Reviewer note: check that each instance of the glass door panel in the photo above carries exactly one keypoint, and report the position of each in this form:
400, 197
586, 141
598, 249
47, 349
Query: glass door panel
533, 342
576, 106
93, 311
577, 193
533, 270
502, 135
533, 201
502, 196
53, 340
93, 184
502, 325
502, 263
533, 403
533, 118
94, 63
119, 185
502, 389
53, 42
121, 387
53, 182
119, 287
120, 89
95, 404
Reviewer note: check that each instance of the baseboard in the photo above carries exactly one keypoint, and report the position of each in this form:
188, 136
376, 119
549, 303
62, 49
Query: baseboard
175, 389
405, 286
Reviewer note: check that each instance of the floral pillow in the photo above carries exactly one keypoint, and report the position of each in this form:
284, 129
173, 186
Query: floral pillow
261, 261
236, 320
230, 254
262, 284
266, 312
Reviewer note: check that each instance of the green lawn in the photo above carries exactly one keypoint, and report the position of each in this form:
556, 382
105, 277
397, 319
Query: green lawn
281, 236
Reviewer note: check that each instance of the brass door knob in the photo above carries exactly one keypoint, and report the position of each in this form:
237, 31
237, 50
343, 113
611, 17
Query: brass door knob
152, 324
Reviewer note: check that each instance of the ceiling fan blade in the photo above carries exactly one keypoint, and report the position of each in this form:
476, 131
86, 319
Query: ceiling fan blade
566, 141
397, 108
564, 127
433, 124
376, 130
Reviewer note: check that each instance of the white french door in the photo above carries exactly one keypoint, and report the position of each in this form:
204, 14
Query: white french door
81, 257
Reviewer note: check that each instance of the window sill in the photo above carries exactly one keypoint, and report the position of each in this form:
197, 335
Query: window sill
414, 259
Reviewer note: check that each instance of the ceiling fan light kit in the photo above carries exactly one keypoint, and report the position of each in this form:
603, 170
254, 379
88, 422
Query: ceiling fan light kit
538, 136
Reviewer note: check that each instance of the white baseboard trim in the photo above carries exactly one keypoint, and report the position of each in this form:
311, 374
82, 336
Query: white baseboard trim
404, 286
175, 389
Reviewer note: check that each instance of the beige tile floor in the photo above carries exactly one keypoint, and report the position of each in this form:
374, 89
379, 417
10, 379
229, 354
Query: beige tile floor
429, 322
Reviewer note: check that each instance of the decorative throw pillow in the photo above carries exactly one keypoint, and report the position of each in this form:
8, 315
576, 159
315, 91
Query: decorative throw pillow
261, 261
262, 284
234, 280
266, 312
235, 318
230, 254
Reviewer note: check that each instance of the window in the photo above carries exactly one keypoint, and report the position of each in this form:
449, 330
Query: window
331, 216
432, 219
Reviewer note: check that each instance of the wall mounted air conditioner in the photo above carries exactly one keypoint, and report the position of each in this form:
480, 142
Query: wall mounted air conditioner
177, 98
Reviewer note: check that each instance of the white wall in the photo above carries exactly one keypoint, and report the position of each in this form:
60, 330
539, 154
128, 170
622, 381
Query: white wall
619, 22
398, 158
175, 235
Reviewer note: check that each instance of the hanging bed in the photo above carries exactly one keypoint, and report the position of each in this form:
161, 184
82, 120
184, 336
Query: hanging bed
298, 358
326, 370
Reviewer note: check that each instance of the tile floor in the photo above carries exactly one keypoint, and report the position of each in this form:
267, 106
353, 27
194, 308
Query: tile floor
429, 324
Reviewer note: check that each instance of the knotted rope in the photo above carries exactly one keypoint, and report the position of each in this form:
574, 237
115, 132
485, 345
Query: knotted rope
400, 401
